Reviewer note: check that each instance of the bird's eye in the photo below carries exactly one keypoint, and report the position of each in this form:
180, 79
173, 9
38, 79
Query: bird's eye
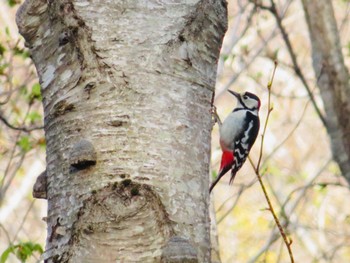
245, 97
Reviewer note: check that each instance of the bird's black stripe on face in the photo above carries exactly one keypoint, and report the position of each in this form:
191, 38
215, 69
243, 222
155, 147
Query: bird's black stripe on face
241, 101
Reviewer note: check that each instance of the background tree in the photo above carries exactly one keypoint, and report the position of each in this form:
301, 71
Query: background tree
22, 145
333, 78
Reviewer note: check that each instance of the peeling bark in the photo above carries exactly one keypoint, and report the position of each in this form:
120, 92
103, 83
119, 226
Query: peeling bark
333, 78
135, 79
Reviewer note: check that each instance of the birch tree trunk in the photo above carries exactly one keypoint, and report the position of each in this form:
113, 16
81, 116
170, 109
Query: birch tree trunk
127, 89
333, 78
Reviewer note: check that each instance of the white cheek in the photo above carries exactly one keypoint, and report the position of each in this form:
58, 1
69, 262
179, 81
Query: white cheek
251, 103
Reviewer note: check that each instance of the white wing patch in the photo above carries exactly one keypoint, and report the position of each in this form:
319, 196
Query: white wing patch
246, 135
241, 150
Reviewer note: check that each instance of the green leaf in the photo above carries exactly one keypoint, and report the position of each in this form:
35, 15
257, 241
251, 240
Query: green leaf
6, 253
24, 143
35, 93
23, 52
321, 186
225, 57
22, 251
23, 90
36, 89
34, 116
2, 50
7, 31
214, 174
37, 247
3, 68
12, 3
25, 250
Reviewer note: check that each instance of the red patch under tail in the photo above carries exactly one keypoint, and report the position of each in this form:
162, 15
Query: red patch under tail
226, 160
226, 165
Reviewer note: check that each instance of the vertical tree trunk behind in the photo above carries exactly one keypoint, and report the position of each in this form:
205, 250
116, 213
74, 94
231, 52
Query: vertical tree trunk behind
333, 77
127, 89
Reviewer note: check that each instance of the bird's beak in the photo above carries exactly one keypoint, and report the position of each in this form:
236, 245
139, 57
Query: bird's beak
236, 94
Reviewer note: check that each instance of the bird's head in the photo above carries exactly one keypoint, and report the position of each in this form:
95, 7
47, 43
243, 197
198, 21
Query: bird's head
247, 100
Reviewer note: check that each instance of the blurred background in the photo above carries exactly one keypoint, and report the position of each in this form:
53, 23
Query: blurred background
305, 185
22, 146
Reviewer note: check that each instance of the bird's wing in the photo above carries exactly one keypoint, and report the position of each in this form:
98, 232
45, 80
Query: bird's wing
242, 145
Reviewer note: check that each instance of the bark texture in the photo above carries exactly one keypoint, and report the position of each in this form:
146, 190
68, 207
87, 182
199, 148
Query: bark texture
127, 89
333, 78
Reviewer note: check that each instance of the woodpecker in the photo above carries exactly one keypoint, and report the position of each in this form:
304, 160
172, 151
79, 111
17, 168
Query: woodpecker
238, 133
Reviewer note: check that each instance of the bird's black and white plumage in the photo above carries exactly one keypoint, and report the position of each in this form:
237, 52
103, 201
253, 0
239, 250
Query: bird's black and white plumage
238, 133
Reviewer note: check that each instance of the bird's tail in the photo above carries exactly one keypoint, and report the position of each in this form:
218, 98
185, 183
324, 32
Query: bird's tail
233, 175
226, 164
215, 182
235, 167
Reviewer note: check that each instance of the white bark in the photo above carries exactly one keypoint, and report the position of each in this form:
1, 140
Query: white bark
127, 89
333, 78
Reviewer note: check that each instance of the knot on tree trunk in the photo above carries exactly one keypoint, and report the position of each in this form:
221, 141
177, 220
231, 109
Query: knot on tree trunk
118, 212
82, 155
179, 250
40, 186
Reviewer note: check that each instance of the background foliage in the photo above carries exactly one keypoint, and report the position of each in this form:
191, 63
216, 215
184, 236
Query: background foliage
304, 184
22, 146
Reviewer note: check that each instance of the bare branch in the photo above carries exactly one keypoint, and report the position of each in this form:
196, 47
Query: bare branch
292, 207
24, 129
288, 135
23, 220
287, 241
297, 70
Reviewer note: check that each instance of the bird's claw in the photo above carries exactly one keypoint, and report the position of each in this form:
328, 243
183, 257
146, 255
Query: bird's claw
215, 116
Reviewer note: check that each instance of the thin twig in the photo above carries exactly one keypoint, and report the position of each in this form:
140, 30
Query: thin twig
293, 204
12, 154
239, 194
286, 240
23, 221
250, 61
242, 188
9, 74
4, 185
6, 234
270, 108
273, 10
24, 129
288, 135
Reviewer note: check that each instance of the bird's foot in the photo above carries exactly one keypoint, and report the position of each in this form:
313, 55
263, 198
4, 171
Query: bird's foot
215, 116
